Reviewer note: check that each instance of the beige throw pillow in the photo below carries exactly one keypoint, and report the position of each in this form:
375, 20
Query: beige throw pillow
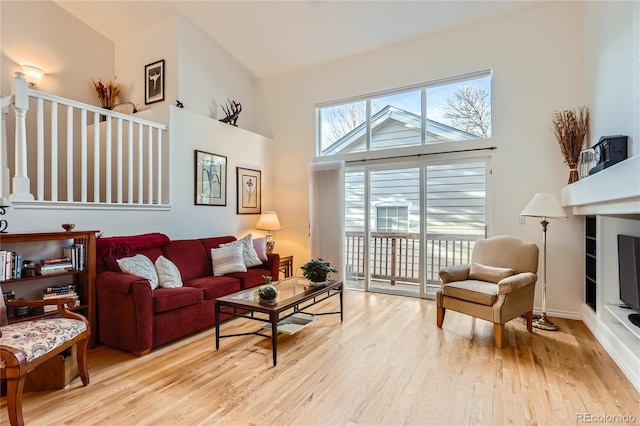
168, 273
226, 260
141, 266
490, 274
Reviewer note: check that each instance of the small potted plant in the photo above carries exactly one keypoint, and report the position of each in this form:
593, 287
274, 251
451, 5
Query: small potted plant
268, 292
317, 270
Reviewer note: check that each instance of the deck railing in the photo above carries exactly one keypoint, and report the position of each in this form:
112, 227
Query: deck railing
80, 154
396, 256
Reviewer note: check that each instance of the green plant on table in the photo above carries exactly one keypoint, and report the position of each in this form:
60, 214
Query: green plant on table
317, 270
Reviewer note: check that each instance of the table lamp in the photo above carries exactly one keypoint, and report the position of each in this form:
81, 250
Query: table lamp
269, 222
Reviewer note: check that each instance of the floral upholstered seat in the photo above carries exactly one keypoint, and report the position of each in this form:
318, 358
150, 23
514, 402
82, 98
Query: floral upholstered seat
26, 344
36, 338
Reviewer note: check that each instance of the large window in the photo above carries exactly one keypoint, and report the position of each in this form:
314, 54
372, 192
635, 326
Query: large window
454, 110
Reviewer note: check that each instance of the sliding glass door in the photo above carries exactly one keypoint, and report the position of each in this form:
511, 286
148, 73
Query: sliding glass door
404, 222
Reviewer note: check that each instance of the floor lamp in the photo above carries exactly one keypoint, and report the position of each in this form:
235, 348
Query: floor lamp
544, 206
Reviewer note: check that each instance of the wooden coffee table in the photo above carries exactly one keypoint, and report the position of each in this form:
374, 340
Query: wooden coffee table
295, 296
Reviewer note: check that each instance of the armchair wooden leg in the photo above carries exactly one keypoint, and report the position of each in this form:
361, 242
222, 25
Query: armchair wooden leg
440, 316
15, 388
530, 321
82, 360
499, 336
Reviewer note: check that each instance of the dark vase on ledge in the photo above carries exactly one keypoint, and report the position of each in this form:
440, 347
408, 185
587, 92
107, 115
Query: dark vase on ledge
104, 117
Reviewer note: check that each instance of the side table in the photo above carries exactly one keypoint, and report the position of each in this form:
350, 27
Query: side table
286, 266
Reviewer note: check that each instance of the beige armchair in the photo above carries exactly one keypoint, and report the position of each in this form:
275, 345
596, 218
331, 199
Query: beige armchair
497, 286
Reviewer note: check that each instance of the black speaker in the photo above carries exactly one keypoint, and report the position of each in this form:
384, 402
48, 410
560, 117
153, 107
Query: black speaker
609, 150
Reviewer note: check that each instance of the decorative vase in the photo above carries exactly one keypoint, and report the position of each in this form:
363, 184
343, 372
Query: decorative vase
104, 117
267, 294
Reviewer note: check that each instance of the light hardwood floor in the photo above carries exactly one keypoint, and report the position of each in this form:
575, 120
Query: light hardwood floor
386, 364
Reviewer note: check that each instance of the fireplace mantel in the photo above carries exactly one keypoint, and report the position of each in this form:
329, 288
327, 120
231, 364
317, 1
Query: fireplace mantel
612, 191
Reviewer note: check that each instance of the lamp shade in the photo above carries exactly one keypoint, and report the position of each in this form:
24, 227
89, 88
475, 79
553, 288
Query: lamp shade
268, 221
544, 205
32, 74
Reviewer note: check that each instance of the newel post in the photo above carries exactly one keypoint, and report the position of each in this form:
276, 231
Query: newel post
4, 176
21, 184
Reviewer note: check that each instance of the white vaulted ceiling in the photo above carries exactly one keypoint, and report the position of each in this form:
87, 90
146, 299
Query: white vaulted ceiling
272, 38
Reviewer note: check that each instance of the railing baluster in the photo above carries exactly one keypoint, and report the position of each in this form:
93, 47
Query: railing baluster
140, 164
83, 155
96, 157
150, 170
54, 151
107, 161
70, 154
159, 183
119, 162
40, 152
130, 165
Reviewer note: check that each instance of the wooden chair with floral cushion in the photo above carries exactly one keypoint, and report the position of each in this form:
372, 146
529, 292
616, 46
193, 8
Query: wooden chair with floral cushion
25, 345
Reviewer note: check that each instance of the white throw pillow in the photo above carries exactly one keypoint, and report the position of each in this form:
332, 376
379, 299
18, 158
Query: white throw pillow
141, 266
248, 252
226, 260
168, 273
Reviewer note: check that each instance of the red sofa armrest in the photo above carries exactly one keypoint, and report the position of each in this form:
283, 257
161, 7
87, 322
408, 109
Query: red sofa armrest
125, 311
273, 264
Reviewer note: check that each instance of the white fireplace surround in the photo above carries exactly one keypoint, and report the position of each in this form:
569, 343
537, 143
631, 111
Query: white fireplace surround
613, 196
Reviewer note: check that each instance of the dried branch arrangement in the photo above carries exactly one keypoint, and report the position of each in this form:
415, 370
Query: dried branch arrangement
571, 130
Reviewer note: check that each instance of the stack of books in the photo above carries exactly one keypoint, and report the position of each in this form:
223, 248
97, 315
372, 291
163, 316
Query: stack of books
55, 266
58, 292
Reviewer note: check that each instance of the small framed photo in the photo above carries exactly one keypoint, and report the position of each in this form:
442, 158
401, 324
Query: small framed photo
154, 82
210, 179
249, 183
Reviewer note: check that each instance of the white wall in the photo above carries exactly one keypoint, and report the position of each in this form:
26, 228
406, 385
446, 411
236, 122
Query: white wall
198, 72
68, 50
537, 59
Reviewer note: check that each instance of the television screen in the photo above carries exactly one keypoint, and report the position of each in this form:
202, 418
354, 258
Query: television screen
629, 270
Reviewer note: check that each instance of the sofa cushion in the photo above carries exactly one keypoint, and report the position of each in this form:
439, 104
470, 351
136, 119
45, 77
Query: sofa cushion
168, 273
491, 274
167, 299
248, 252
141, 266
226, 260
190, 257
214, 287
252, 277
481, 292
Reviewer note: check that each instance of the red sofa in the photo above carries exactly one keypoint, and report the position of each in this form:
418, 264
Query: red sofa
135, 318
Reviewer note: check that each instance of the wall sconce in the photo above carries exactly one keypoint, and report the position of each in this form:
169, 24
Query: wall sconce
32, 74
269, 222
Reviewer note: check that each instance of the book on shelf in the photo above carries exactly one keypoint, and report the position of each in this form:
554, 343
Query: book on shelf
60, 288
10, 265
56, 260
76, 253
57, 269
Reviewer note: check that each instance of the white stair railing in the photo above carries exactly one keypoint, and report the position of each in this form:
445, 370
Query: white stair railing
82, 154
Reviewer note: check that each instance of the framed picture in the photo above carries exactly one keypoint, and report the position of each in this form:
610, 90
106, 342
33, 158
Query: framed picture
249, 191
210, 179
154, 82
